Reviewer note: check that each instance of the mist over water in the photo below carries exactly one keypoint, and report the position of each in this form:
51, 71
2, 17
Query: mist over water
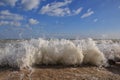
27, 53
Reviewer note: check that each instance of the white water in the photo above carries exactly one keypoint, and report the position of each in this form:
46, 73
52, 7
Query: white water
27, 53
92, 54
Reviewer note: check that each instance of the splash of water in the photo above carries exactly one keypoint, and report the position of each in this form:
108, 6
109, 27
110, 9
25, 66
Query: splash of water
27, 53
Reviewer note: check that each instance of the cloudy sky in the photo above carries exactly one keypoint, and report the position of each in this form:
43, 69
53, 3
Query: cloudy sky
66, 18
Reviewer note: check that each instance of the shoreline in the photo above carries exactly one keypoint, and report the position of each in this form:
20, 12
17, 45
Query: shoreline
58, 72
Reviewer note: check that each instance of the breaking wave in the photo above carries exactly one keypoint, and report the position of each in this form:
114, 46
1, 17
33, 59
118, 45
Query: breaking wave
26, 53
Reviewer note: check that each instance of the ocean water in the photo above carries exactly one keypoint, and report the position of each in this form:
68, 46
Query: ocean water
27, 53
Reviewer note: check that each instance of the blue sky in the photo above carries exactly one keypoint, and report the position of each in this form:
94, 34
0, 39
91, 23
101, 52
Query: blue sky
59, 18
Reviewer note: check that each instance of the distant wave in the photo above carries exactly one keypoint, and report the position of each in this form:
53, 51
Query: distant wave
26, 53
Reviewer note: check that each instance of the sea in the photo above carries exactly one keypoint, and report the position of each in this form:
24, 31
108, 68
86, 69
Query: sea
25, 53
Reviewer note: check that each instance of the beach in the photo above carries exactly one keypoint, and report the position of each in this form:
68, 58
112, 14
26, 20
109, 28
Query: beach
55, 72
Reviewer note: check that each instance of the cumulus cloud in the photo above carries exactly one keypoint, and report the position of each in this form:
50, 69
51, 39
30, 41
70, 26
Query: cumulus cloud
10, 19
10, 23
26, 4
30, 4
88, 13
59, 9
55, 8
78, 11
8, 2
33, 21
7, 15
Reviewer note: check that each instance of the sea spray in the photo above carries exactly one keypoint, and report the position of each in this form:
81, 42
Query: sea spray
110, 50
92, 54
18, 55
27, 53
61, 51
40, 51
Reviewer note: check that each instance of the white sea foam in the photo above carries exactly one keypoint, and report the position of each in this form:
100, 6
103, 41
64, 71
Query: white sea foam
110, 50
27, 53
92, 54
61, 51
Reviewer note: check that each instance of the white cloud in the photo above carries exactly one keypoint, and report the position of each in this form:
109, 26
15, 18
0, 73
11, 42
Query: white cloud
7, 15
33, 21
26, 4
10, 23
59, 9
88, 13
95, 20
55, 8
30, 4
8, 2
10, 19
78, 11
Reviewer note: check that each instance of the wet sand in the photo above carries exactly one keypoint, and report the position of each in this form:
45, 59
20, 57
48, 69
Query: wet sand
57, 72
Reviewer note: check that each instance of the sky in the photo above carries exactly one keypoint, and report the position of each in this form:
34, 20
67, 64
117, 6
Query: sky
59, 18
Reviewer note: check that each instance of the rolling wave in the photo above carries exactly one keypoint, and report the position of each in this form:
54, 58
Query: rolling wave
26, 53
